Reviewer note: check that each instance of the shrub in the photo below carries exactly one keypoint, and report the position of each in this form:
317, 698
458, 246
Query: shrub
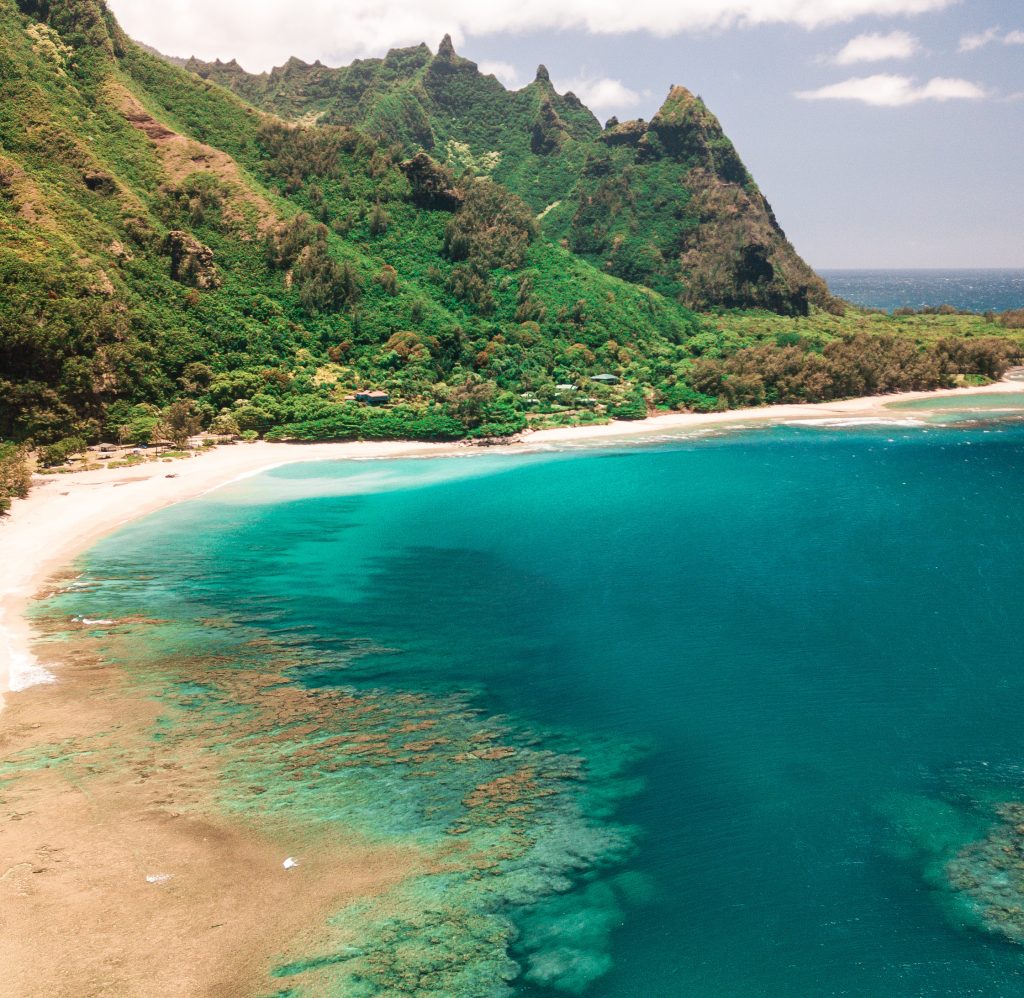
356, 423
59, 452
379, 220
15, 475
388, 279
634, 406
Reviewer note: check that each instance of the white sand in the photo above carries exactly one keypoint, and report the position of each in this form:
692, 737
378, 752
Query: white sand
65, 514
867, 409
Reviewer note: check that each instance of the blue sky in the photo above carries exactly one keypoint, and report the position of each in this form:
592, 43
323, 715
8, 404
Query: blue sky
886, 133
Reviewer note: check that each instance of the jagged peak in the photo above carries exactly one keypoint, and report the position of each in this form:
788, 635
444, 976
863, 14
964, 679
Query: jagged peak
677, 92
683, 109
448, 61
446, 50
679, 99
543, 76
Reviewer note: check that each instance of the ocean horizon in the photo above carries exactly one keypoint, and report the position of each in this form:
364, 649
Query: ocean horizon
971, 290
663, 795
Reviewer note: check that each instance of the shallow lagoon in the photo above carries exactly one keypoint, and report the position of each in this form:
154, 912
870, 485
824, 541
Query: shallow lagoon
788, 660
987, 402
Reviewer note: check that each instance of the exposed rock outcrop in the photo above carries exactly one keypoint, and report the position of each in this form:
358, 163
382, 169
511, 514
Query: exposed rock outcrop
191, 261
625, 133
549, 130
433, 185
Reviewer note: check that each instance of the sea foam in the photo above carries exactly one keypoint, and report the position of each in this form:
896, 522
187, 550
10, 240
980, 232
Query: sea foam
24, 671
833, 423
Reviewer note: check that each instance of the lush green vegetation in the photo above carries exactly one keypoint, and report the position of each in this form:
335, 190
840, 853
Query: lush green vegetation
15, 475
174, 260
532, 141
264, 274
790, 370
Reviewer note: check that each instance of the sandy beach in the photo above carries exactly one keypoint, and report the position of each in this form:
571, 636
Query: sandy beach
65, 514
88, 853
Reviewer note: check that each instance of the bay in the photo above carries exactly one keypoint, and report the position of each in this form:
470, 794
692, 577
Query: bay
790, 660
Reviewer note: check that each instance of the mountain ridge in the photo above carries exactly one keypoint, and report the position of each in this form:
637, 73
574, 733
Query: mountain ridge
680, 155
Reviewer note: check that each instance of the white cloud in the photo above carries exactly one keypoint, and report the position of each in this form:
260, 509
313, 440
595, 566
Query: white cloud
887, 90
504, 71
602, 94
261, 33
971, 43
877, 47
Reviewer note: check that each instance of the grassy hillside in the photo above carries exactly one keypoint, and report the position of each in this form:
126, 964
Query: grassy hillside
162, 241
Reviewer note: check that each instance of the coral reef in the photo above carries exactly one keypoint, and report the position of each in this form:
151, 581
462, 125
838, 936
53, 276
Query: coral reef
523, 871
990, 873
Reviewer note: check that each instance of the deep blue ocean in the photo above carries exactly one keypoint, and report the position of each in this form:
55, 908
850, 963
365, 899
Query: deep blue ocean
966, 290
799, 649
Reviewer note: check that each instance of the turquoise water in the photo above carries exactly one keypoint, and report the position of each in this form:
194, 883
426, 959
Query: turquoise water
1008, 401
791, 660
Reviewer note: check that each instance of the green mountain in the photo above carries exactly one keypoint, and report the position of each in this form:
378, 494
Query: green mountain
161, 237
667, 204
480, 255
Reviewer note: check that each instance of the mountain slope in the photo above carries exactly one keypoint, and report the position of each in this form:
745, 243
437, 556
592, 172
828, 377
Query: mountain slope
667, 204
670, 204
161, 237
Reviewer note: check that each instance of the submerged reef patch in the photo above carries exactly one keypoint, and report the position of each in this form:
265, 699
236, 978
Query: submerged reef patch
990, 874
969, 849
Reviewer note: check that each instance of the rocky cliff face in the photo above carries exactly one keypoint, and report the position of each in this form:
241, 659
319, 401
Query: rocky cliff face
688, 217
191, 261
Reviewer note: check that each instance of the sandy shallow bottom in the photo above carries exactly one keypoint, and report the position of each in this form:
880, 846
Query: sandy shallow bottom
118, 875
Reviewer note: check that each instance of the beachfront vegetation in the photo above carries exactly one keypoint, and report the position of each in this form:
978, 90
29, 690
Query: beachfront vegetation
174, 259
15, 475
758, 361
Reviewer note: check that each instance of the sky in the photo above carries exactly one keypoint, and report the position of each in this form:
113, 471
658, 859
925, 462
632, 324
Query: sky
885, 133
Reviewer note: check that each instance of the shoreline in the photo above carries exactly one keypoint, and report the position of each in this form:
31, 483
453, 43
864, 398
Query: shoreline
66, 514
